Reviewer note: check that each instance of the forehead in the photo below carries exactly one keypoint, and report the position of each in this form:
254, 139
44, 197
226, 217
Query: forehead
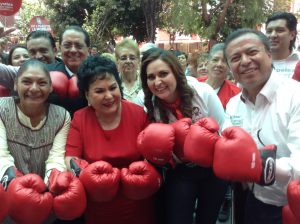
20, 50
127, 51
38, 42
277, 23
217, 54
34, 71
157, 65
243, 43
73, 35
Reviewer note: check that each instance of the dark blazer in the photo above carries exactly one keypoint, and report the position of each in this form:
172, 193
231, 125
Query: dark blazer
70, 104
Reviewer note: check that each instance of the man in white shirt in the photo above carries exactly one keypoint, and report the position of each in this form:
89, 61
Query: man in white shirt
281, 29
268, 108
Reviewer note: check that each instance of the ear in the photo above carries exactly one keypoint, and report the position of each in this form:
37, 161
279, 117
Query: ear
87, 97
51, 89
292, 35
15, 85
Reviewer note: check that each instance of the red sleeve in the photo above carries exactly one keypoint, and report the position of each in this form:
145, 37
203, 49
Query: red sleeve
74, 145
296, 75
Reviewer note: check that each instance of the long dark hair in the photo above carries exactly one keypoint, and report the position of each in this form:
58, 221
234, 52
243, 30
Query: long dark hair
185, 92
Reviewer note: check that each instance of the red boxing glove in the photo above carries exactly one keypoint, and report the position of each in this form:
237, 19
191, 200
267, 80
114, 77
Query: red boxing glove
140, 180
59, 83
156, 143
182, 128
3, 204
101, 181
4, 91
237, 158
73, 91
288, 216
69, 198
28, 200
293, 194
200, 142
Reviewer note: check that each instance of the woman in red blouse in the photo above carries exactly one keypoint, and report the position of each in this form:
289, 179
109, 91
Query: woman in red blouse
107, 130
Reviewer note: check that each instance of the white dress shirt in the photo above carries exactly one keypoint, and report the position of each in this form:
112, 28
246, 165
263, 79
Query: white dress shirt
273, 119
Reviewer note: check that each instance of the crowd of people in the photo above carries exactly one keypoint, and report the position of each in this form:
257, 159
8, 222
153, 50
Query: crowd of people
151, 135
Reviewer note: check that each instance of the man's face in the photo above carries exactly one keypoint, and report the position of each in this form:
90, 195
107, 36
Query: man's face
41, 49
74, 49
279, 34
249, 61
94, 51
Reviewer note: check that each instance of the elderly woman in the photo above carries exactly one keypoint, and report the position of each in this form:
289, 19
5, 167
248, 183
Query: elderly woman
105, 132
128, 60
32, 139
217, 75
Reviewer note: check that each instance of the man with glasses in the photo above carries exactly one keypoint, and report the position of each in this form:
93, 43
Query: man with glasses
74, 43
268, 108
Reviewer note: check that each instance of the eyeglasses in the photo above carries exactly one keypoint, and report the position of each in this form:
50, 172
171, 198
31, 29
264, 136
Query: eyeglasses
69, 45
130, 58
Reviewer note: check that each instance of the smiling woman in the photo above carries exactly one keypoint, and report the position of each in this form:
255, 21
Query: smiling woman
18, 55
128, 60
32, 133
106, 131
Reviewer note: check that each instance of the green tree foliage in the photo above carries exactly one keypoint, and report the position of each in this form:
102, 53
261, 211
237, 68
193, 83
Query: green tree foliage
214, 19
28, 11
282, 5
115, 17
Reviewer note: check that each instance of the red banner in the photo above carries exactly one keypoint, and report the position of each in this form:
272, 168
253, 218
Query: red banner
9, 7
39, 23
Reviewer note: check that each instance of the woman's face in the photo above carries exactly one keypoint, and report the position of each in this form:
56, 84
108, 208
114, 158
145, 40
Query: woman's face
202, 68
217, 66
161, 81
33, 86
104, 96
128, 61
182, 61
19, 56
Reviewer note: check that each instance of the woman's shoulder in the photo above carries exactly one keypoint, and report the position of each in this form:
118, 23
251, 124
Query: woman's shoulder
6, 101
132, 106
201, 88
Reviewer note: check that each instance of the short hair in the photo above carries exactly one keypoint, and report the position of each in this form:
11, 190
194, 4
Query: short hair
244, 31
109, 56
185, 91
291, 23
147, 46
93, 68
129, 44
78, 29
10, 54
33, 63
215, 48
178, 53
41, 34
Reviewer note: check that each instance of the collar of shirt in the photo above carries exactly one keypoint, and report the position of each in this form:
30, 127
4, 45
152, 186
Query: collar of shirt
69, 71
268, 90
294, 56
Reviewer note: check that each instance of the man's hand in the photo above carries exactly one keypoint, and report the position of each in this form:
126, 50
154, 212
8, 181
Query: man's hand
3, 32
